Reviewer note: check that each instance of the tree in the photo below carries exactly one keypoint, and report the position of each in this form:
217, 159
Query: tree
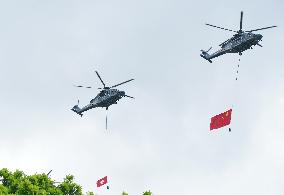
69, 187
37, 184
147, 193
124, 193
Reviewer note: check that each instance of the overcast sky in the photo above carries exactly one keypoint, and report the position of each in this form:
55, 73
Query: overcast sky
161, 139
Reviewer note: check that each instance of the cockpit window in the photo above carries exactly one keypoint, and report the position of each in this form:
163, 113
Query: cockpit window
102, 93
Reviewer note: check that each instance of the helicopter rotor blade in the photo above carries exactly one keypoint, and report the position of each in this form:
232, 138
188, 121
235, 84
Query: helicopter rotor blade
100, 78
241, 21
221, 27
261, 28
82, 86
122, 83
129, 96
209, 49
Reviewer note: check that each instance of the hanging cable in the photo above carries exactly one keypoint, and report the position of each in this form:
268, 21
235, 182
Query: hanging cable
235, 88
237, 73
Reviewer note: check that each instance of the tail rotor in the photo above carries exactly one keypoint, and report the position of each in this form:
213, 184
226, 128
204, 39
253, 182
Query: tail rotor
206, 51
77, 109
206, 55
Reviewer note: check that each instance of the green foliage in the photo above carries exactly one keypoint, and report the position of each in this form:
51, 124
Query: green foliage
18, 183
147, 193
38, 184
3, 190
69, 187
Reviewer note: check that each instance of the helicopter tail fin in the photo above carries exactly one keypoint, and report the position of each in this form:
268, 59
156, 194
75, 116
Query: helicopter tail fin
206, 55
77, 110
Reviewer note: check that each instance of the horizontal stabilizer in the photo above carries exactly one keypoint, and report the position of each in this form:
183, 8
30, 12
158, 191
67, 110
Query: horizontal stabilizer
206, 55
77, 110
206, 58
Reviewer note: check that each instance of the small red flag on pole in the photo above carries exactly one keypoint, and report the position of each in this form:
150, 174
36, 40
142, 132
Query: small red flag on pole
221, 120
102, 181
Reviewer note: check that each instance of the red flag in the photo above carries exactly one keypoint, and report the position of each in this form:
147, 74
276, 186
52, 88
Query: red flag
102, 181
221, 120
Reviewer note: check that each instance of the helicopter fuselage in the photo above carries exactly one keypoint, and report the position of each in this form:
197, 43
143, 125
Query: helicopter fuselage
237, 44
105, 98
240, 43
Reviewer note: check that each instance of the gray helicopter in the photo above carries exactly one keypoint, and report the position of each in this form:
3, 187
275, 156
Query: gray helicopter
104, 99
240, 42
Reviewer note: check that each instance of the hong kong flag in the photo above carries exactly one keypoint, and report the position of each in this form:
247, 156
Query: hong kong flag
221, 120
102, 181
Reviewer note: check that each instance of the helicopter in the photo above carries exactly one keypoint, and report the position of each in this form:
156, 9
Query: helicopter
240, 41
106, 97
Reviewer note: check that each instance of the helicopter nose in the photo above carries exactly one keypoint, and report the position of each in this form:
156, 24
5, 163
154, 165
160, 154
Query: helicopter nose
122, 93
259, 36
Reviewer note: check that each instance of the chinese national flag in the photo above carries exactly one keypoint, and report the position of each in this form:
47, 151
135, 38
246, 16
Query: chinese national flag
221, 120
102, 181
